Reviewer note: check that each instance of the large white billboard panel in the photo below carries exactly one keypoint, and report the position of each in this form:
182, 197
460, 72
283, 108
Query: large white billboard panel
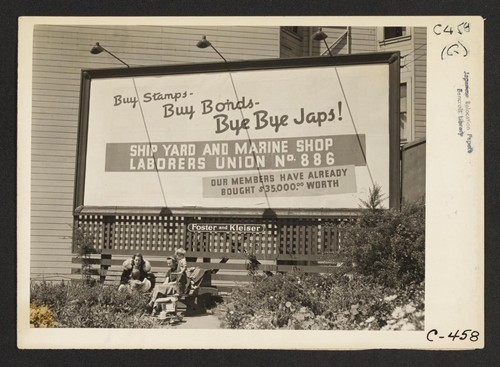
308, 137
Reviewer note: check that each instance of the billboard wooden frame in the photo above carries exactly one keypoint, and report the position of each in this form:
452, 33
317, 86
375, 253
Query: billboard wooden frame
87, 75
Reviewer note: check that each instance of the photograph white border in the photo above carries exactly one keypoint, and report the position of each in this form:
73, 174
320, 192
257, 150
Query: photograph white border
454, 207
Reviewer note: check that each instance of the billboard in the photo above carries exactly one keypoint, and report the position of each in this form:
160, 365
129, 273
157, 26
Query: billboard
311, 133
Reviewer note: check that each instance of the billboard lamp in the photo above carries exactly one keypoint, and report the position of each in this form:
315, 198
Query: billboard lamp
319, 35
97, 49
204, 43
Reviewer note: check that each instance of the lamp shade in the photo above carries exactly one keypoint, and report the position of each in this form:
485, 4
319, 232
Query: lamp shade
319, 35
97, 49
203, 43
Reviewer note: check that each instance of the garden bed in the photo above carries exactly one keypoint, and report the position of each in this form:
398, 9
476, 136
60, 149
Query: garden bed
323, 302
79, 305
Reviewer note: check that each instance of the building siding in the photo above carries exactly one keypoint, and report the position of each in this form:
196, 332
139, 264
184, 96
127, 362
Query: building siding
295, 45
363, 39
420, 95
59, 54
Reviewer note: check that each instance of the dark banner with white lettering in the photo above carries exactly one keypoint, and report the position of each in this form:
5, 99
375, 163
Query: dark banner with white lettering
237, 155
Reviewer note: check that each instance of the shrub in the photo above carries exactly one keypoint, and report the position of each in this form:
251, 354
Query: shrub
84, 244
251, 262
40, 316
328, 301
387, 244
280, 295
80, 305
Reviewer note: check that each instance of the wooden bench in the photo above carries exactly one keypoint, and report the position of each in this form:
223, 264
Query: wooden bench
194, 299
225, 273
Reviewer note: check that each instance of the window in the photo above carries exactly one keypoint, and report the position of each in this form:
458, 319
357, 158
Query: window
296, 31
394, 32
391, 35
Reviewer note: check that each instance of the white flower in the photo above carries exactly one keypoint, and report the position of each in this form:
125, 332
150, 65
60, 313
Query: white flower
398, 313
409, 308
390, 298
370, 319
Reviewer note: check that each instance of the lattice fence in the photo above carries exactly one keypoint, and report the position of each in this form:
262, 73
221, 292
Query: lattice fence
282, 238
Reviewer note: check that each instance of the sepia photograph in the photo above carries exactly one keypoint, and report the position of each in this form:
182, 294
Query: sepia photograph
234, 177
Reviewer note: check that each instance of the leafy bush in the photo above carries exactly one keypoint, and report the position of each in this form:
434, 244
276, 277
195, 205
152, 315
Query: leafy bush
84, 244
80, 305
40, 316
328, 301
251, 262
387, 244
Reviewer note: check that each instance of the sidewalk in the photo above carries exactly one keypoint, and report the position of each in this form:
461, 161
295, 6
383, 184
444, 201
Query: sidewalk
203, 321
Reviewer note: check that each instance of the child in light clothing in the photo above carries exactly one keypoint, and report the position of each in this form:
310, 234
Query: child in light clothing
180, 256
182, 281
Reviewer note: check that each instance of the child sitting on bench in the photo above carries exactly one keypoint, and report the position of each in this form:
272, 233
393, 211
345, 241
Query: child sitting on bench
180, 256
